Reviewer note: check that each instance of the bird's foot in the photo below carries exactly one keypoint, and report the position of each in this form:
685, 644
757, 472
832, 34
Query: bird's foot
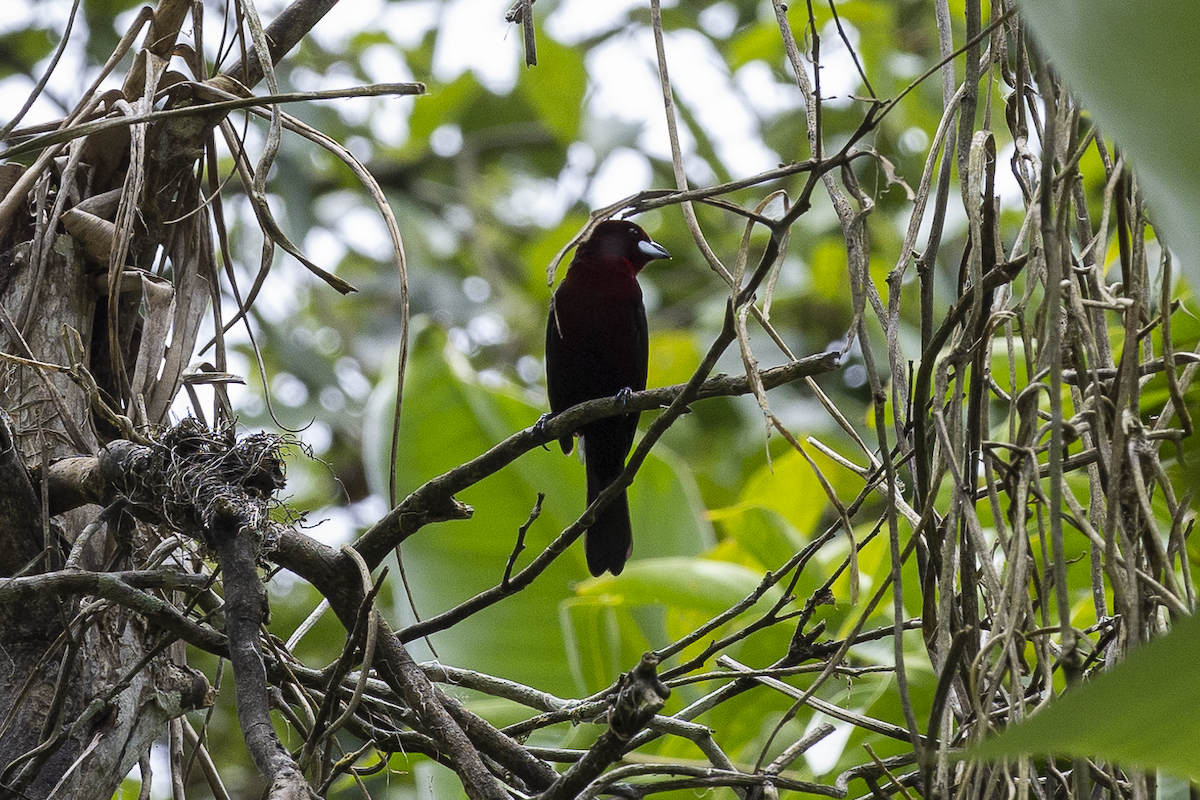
539, 427
623, 397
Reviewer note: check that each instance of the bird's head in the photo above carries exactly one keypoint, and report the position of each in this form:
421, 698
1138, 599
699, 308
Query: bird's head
619, 238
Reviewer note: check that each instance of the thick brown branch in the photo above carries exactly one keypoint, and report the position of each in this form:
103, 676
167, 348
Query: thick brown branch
123, 588
81, 480
245, 599
537, 774
460, 735
409, 681
66, 582
640, 695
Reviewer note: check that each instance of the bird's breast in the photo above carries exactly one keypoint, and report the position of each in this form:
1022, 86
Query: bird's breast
598, 341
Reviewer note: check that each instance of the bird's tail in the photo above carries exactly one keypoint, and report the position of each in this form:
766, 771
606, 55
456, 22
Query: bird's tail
609, 541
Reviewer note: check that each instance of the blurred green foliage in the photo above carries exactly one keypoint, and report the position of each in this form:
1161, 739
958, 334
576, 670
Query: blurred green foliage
488, 187
488, 184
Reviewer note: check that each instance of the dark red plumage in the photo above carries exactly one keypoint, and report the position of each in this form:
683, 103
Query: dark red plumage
597, 345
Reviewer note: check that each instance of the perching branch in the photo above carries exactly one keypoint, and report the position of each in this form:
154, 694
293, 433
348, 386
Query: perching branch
434, 496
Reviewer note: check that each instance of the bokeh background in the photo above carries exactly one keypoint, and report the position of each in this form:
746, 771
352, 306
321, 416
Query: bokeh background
489, 175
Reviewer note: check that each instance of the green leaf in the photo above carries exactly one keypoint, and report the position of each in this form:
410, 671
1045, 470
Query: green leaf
693, 583
1116, 718
22, 49
603, 639
615, 619
761, 534
675, 357
788, 486
1136, 66
760, 41
444, 104
555, 87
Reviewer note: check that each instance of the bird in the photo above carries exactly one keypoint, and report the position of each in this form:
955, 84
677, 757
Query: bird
598, 345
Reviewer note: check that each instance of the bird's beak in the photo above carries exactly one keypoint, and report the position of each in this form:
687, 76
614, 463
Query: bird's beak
652, 250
